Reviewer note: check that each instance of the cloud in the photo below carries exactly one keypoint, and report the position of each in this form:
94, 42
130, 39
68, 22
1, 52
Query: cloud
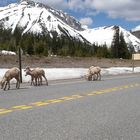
59, 4
126, 9
86, 21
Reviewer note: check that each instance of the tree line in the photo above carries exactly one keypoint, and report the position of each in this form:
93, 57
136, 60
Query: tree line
45, 45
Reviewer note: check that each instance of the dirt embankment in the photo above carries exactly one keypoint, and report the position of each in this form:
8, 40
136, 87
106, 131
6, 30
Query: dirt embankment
64, 62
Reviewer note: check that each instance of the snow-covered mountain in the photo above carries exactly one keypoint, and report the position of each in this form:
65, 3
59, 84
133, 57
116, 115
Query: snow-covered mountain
104, 35
42, 19
39, 19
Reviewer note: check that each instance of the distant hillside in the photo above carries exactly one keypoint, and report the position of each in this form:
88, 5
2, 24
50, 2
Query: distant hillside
41, 30
41, 19
104, 35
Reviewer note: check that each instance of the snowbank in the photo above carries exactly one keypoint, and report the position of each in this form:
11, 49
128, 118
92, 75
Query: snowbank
68, 73
4, 52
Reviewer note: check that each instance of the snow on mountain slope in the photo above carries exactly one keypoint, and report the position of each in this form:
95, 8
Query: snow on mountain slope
38, 19
104, 35
99, 35
42, 19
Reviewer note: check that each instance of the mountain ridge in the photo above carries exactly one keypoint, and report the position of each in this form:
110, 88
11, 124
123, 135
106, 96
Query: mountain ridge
38, 18
104, 35
43, 19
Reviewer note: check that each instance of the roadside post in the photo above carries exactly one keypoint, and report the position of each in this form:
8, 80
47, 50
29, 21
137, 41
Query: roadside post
134, 58
20, 63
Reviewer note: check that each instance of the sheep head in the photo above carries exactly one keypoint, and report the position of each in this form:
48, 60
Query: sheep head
27, 70
88, 77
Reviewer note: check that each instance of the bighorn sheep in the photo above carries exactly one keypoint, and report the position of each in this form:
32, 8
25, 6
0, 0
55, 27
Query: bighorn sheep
92, 72
36, 74
10, 74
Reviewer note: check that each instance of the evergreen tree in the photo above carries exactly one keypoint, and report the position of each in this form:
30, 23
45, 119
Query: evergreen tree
131, 48
123, 51
119, 47
17, 36
115, 43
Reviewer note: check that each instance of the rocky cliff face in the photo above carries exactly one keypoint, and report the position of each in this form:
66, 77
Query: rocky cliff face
39, 19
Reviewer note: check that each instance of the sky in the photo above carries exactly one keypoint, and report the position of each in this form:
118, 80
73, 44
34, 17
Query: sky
97, 13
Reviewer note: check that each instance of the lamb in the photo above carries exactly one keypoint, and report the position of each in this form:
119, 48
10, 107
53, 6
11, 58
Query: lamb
41, 73
36, 74
92, 72
33, 75
10, 74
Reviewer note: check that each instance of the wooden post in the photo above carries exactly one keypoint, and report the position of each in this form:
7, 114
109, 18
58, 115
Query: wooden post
134, 58
132, 62
20, 64
133, 65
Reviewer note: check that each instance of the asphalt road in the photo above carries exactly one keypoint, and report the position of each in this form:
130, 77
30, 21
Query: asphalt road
73, 110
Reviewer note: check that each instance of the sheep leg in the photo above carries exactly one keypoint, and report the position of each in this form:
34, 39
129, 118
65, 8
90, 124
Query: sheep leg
99, 76
8, 85
32, 79
45, 80
36, 81
40, 80
18, 84
5, 85
94, 77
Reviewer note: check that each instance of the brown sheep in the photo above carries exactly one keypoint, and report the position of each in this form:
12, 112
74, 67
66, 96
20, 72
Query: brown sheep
94, 73
36, 74
10, 74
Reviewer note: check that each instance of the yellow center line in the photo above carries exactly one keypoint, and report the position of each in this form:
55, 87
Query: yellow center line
77, 96
91, 94
20, 107
39, 104
65, 98
55, 101
4, 111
